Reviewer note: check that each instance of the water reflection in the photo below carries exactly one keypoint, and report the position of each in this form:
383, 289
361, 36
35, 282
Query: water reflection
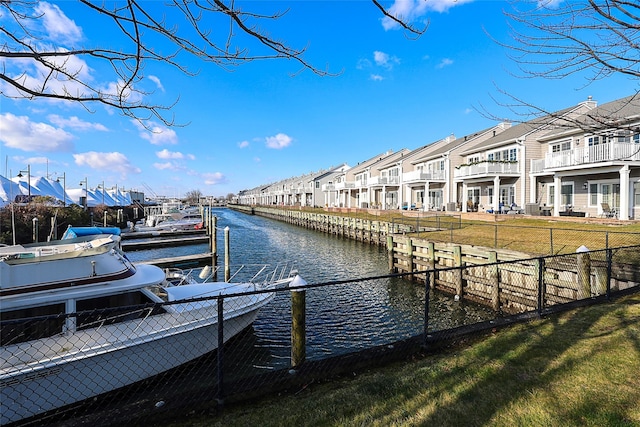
340, 318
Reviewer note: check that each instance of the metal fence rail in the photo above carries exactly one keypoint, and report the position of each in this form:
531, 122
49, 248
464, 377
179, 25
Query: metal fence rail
118, 363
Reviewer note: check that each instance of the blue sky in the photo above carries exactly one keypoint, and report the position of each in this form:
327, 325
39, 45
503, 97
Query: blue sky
268, 120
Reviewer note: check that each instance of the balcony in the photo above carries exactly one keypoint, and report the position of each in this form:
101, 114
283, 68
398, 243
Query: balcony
328, 187
418, 176
487, 168
386, 180
613, 151
344, 185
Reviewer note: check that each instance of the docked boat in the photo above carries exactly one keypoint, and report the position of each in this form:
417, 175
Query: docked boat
79, 319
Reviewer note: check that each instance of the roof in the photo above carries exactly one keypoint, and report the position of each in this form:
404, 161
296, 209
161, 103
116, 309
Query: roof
520, 131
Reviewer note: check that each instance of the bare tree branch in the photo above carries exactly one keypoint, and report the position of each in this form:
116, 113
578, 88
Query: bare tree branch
35, 65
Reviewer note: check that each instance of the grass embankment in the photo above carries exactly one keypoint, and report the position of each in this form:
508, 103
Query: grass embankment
579, 368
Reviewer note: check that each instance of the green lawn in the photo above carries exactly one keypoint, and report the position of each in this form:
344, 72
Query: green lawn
579, 368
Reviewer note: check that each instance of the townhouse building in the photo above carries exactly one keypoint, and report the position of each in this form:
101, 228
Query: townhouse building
495, 174
592, 164
583, 160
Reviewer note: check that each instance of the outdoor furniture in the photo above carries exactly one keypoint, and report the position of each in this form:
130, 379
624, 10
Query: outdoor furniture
607, 212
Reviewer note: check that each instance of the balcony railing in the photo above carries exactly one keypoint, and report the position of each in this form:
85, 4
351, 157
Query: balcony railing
487, 168
613, 151
345, 185
386, 180
413, 176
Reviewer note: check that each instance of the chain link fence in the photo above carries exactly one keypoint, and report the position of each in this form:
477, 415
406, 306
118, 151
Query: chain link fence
534, 240
142, 360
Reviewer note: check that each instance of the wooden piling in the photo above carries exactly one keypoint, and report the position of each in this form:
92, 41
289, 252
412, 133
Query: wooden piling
227, 256
298, 327
494, 277
457, 262
584, 274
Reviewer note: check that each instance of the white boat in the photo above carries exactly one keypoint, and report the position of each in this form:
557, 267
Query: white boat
81, 353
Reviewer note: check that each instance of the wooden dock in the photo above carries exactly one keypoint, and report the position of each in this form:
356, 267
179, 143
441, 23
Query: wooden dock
163, 243
132, 235
186, 261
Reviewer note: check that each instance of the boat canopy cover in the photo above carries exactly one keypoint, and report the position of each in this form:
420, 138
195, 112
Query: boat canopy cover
73, 232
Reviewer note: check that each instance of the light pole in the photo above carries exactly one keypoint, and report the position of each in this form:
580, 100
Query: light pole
28, 171
64, 188
86, 192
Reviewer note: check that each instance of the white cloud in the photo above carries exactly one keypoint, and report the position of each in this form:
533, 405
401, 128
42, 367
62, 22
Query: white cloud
278, 141
21, 133
384, 59
243, 144
445, 63
257, 159
157, 81
166, 154
213, 178
113, 161
75, 123
412, 10
165, 166
156, 133
59, 27
376, 77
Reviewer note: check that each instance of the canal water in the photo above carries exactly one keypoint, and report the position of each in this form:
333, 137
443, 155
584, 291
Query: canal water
339, 318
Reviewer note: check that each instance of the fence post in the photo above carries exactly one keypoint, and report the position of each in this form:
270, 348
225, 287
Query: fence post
427, 290
35, 229
609, 264
541, 288
495, 236
494, 277
220, 368
551, 240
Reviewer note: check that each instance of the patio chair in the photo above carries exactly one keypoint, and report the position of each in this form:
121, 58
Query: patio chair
607, 212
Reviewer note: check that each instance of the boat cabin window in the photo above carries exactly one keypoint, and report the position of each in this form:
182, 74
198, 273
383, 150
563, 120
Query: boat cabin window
31, 328
108, 310
47, 321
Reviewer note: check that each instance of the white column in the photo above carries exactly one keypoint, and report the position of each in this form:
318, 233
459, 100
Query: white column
383, 202
425, 201
496, 194
533, 187
464, 197
624, 193
557, 187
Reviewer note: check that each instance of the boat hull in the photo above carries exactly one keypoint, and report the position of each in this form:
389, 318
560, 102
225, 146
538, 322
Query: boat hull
78, 377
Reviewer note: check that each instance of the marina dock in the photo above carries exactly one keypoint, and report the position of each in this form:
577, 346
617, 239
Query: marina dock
163, 243
186, 261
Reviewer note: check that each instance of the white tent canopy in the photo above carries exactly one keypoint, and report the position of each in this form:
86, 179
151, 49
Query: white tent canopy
42, 186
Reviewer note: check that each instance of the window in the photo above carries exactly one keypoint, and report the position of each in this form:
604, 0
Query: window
317, 184
513, 155
636, 194
474, 159
593, 140
561, 146
566, 195
593, 194
490, 196
636, 138
490, 157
